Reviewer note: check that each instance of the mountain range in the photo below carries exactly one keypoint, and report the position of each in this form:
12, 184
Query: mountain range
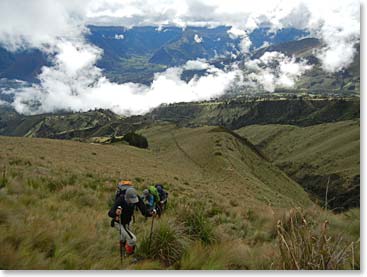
134, 55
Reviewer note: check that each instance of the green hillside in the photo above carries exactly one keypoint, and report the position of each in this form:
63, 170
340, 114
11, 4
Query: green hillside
237, 113
319, 156
68, 125
345, 82
232, 114
224, 203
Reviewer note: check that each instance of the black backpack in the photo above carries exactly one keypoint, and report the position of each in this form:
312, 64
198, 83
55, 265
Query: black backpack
121, 190
163, 195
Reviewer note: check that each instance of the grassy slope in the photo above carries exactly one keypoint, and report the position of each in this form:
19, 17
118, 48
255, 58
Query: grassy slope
58, 193
216, 160
325, 149
237, 113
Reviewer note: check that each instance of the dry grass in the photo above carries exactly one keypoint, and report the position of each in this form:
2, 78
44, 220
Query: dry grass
308, 245
61, 193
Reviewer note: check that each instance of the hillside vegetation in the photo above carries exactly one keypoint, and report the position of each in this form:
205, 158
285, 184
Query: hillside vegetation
323, 158
68, 125
237, 113
232, 114
228, 207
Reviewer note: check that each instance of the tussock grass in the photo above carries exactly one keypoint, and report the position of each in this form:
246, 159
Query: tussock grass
195, 219
304, 245
225, 255
166, 244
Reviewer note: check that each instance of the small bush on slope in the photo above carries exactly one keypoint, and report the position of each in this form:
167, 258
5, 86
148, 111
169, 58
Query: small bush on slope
136, 140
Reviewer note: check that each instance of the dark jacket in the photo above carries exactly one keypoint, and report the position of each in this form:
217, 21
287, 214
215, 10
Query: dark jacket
127, 209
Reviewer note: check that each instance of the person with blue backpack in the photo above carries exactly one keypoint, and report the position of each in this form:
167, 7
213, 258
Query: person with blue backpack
122, 213
155, 197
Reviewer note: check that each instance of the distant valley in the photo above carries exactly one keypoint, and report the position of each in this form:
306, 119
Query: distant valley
134, 55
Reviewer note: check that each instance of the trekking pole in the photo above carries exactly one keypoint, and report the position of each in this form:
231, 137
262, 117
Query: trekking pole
151, 233
121, 243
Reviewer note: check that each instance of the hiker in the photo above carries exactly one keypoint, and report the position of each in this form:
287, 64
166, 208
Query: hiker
163, 195
122, 213
122, 186
157, 199
148, 199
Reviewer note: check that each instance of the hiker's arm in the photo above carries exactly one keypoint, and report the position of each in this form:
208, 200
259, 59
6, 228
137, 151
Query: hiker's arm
112, 211
143, 209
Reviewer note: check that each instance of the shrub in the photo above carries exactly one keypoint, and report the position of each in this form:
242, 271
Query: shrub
167, 243
197, 225
54, 185
136, 140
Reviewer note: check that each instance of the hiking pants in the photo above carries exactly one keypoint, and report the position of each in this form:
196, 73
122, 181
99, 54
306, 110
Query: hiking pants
126, 235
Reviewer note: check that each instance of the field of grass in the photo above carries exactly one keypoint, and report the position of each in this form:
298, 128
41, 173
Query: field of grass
329, 151
225, 206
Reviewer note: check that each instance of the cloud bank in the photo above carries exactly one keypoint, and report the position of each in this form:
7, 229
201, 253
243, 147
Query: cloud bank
80, 86
73, 82
273, 70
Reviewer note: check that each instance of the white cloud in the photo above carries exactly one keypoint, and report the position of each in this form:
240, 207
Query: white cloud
128, 98
74, 82
160, 28
40, 23
3, 103
198, 39
196, 65
235, 33
245, 45
245, 42
265, 44
275, 70
119, 36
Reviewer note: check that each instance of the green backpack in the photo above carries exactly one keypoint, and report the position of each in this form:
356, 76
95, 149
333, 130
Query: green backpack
153, 190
